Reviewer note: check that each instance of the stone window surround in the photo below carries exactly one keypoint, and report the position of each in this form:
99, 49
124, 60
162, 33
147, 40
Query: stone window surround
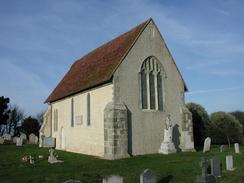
162, 73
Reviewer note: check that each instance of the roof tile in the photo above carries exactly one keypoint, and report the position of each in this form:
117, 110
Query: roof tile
97, 67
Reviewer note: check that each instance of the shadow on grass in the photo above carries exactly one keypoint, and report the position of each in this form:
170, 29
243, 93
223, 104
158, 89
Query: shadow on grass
166, 179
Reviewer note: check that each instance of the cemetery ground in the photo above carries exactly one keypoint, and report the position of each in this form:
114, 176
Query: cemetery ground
179, 167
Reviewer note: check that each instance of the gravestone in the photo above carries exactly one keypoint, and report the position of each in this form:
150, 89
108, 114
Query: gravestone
147, 176
215, 166
207, 144
205, 177
221, 148
1, 140
33, 139
113, 179
19, 141
51, 158
237, 150
23, 136
229, 163
49, 142
32, 161
14, 140
7, 136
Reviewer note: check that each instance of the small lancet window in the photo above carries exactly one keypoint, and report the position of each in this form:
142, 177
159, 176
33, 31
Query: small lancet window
55, 119
88, 110
72, 112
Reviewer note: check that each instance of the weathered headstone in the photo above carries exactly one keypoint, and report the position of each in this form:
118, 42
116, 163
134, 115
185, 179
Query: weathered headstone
51, 158
23, 136
19, 141
205, 177
221, 148
207, 144
7, 136
229, 163
113, 179
48, 142
237, 150
1, 140
33, 139
14, 140
215, 166
147, 176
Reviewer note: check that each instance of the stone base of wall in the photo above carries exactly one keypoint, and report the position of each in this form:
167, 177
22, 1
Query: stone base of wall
115, 131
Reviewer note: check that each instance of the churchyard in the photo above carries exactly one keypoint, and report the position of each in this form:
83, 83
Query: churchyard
179, 167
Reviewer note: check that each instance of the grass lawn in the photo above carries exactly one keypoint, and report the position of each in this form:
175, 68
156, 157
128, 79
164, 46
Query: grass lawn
180, 167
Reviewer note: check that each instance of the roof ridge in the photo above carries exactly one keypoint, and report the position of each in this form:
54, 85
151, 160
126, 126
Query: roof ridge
120, 35
126, 53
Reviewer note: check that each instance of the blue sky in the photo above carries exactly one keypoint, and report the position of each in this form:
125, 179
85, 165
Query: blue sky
39, 40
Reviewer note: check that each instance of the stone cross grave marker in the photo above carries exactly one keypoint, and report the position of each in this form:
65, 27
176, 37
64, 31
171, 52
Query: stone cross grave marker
51, 158
237, 150
113, 179
147, 176
229, 163
205, 177
19, 141
215, 166
207, 144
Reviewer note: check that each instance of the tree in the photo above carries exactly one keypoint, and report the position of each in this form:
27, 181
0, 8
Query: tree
39, 117
30, 125
4, 112
200, 120
240, 116
227, 129
16, 115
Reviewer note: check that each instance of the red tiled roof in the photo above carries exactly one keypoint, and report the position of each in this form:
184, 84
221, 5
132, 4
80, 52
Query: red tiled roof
98, 66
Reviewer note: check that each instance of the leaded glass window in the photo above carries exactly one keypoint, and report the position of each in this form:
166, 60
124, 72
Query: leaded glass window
151, 84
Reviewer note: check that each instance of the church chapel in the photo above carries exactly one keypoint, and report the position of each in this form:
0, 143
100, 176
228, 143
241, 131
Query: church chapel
114, 101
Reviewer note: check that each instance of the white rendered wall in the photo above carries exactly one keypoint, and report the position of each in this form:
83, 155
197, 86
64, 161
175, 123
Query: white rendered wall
82, 138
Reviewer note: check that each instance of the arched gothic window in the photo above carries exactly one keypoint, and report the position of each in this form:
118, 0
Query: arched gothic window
151, 84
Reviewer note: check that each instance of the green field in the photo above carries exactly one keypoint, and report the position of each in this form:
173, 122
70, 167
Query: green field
180, 167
